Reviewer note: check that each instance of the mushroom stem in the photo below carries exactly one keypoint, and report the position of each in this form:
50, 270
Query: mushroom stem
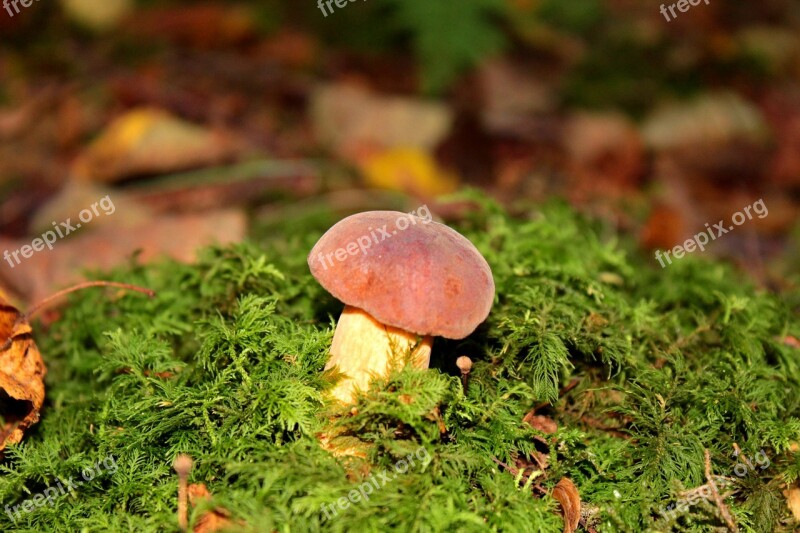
183, 465
464, 364
363, 348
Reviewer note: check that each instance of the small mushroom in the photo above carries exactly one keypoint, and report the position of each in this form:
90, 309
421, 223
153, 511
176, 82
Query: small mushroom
404, 280
183, 466
464, 364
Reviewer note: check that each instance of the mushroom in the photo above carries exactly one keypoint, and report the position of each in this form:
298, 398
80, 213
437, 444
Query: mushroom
183, 466
404, 279
464, 364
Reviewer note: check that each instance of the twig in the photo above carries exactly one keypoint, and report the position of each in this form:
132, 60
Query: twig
722, 483
723, 509
36, 308
518, 473
739, 453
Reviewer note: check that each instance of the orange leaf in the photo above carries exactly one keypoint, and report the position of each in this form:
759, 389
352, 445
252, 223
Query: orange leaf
543, 423
567, 495
22, 373
214, 520
793, 501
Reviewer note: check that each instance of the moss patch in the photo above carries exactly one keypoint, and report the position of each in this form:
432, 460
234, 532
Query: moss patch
642, 368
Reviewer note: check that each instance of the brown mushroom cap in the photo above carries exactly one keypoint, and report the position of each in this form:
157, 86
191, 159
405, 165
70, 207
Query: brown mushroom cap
427, 279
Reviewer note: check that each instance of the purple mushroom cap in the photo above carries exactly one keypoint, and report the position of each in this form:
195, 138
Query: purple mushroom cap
407, 272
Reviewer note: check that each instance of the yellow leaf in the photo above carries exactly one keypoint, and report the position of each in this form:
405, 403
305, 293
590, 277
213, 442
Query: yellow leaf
151, 141
409, 170
98, 15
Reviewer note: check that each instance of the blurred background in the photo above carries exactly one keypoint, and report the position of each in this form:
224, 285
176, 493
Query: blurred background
207, 122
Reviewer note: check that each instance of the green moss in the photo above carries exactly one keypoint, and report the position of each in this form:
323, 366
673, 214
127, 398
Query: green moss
668, 362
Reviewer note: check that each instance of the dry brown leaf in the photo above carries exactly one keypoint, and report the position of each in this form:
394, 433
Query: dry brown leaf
545, 424
512, 95
22, 373
213, 520
350, 119
567, 495
151, 141
793, 501
606, 155
199, 25
709, 120
110, 246
436, 416
665, 227
74, 196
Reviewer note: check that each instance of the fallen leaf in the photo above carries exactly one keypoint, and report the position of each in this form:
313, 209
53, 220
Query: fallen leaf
97, 15
606, 155
436, 416
512, 95
711, 119
664, 228
151, 141
545, 424
793, 501
213, 520
349, 119
76, 196
111, 245
408, 170
201, 25
22, 374
567, 495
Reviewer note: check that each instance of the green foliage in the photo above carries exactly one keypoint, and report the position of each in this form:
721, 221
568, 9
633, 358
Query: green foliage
642, 368
578, 16
449, 36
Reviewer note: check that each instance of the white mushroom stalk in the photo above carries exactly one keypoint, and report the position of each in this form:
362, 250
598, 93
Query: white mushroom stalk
363, 349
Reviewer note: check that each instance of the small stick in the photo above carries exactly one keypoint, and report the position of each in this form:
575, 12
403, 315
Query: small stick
36, 308
183, 465
726, 515
516, 472
746, 460
464, 364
